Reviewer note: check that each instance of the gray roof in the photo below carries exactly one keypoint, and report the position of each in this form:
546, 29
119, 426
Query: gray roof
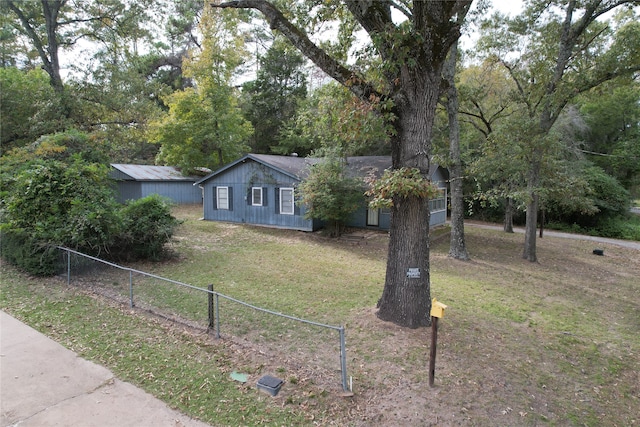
299, 167
364, 166
292, 165
150, 173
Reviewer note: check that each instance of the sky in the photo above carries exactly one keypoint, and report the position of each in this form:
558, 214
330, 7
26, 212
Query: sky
510, 7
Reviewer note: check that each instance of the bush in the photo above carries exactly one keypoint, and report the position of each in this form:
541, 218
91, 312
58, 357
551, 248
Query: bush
626, 228
49, 203
66, 204
21, 249
148, 225
329, 195
620, 228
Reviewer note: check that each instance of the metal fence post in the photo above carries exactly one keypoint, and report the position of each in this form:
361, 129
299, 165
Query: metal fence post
210, 305
68, 267
130, 289
343, 359
217, 316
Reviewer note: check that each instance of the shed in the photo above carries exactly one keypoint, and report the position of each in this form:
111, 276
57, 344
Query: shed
138, 181
260, 189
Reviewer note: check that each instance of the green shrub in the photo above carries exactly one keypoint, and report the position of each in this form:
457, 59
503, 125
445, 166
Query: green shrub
619, 228
23, 250
330, 195
148, 226
51, 202
66, 204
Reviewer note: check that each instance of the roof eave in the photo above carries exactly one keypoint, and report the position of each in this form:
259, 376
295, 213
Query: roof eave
242, 160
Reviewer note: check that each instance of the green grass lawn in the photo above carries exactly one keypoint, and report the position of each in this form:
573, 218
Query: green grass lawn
551, 343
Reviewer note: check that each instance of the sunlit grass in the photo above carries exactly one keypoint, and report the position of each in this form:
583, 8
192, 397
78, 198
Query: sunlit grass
556, 340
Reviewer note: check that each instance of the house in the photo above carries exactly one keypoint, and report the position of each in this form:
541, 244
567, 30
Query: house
138, 181
260, 189
381, 218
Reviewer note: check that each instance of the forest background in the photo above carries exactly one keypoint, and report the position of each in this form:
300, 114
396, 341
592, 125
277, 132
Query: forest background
184, 84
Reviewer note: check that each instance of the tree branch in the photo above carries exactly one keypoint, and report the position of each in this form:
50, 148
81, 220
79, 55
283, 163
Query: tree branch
31, 33
403, 7
375, 18
277, 21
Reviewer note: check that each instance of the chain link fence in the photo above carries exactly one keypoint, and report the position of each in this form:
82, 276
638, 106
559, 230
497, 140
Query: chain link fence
314, 347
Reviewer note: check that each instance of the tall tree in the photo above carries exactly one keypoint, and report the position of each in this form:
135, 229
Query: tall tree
116, 102
41, 24
407, 87
177, 26
564, 48
457, 243
272, 99
204, 126
333, 121
51, 27
486, 102
612, 141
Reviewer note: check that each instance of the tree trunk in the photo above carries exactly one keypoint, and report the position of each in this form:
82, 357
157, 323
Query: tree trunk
47, 45
457, 246
406, 298
52, 64
49, 53
508, 215
529, 252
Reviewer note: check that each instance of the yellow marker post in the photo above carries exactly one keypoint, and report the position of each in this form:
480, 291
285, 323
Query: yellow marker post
437, 311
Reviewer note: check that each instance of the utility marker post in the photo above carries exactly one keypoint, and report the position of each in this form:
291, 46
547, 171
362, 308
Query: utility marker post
437, 311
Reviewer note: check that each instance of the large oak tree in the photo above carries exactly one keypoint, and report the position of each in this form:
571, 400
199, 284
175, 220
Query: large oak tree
554, 51
407, 87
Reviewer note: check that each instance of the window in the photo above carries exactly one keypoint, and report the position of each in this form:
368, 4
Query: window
256, 196
222, 198
286, 201
438, 203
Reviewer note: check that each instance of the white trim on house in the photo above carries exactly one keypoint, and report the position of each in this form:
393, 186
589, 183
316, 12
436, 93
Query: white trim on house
256, 196
287, 204
222, 198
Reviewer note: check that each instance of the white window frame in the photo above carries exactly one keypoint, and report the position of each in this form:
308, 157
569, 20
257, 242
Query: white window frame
438, 204
222, 201
256, 201
282, 199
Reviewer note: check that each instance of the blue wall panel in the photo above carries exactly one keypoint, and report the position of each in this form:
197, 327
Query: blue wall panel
240, 179
178, 192
128, 190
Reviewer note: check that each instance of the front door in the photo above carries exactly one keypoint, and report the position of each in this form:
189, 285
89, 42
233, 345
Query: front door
373, 217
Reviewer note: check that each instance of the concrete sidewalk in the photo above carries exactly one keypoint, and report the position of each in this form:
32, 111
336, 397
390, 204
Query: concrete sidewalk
44, 384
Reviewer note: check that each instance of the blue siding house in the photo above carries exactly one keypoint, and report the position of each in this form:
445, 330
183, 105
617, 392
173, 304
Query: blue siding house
260, 189
138, 181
